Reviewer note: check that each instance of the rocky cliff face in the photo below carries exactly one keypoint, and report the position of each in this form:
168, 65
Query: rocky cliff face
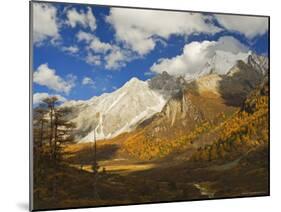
166, 84
258, 63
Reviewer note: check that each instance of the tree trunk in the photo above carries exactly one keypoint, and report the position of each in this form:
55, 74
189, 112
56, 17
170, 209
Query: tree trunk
51, 130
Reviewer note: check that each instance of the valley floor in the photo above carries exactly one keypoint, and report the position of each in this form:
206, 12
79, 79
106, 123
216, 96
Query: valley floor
122, 180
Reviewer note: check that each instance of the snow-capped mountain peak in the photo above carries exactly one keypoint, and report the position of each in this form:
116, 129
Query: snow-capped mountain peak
113, 113
222, 61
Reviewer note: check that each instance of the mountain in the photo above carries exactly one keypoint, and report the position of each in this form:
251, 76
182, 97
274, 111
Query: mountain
184, 113
114, 113
167, 106
243, 133
235, 83
259, 63
221, 62
166, 84
201, 106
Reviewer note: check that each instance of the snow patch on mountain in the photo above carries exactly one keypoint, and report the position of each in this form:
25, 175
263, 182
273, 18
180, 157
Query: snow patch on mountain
223, 61
114, 113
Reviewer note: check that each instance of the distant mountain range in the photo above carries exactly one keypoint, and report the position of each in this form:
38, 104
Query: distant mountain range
166, 101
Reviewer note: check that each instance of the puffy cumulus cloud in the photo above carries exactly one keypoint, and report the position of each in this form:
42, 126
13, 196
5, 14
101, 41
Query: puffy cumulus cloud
250, 26
112, 56
46, 76
137, 28
94, 43
198, 56
39, 97
45, 23
87, 81
85, 19
101, 47
70, 49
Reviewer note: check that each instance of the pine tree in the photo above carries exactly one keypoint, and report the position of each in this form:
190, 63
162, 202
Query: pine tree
63, 132
51, 102
52, 131
39, 130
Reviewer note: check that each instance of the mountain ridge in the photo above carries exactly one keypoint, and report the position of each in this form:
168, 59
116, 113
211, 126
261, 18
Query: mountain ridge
138, 102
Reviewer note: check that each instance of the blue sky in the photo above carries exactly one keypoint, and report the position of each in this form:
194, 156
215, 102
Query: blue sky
82, 51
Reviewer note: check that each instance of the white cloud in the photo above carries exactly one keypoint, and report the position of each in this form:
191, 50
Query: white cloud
85, 19
196, 57
250, 26
93, 59
112, 55
39, 97
98, 46
95, 44
87, 81
137, 27
84, 36
70, 49
117, 58
47, 77
45, 24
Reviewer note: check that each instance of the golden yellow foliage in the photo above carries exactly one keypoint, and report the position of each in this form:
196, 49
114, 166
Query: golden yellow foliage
245, 130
